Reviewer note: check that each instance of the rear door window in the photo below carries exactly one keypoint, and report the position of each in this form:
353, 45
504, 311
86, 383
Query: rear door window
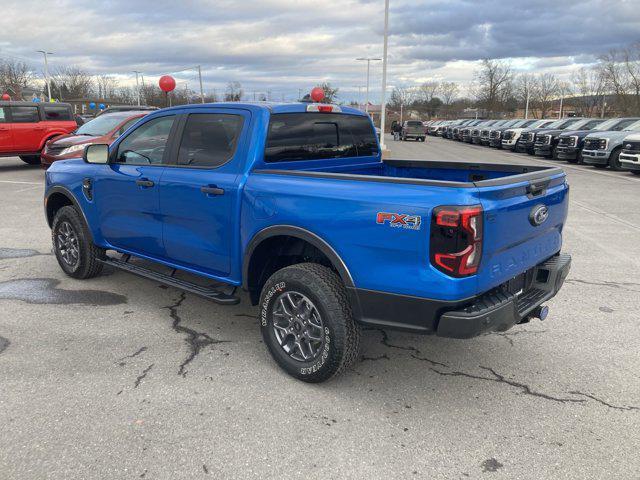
24, 114
316, 136
209, 139
3, 117
57, 113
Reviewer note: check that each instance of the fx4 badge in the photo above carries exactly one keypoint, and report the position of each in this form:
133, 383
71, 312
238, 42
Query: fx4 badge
538, 215
399, 220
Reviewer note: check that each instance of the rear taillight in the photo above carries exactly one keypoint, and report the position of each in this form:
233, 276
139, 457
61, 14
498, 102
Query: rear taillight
456, 239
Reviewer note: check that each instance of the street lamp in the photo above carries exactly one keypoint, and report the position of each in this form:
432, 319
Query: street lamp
137, 85
46, 70
383, 110
368, 60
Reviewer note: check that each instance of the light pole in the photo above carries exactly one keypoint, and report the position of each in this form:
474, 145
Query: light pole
383, 109
46, 71
368, 60
200, 80
137, 85
526, 108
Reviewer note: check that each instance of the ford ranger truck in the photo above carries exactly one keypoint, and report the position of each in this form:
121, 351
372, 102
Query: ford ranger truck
293, 204
602, 149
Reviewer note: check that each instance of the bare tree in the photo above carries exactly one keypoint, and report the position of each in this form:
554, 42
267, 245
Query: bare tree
428, 91
494, 84
14, 77
545, 92
448, 91
620, 70
400, 97
107, 86
72, 82
589, 85
234, 92
523, 91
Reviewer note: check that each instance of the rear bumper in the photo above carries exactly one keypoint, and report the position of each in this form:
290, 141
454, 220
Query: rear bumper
496, 310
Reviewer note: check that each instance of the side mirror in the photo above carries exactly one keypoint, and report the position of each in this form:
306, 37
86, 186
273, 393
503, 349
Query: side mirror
96, 153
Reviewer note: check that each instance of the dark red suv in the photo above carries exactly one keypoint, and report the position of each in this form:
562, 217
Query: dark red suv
102, 129
25, 127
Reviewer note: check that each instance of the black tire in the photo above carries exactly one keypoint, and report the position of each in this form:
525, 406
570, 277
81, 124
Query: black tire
86, 262
614, 160
30, 159
635, 172
340, 335
601, 166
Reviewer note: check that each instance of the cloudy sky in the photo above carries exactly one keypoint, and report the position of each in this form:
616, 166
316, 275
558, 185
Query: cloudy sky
286, 45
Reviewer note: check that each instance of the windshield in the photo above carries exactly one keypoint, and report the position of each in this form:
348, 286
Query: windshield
101, 125
634, 126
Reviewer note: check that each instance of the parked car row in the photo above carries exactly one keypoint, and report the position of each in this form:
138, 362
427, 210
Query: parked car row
46, 132
602, 143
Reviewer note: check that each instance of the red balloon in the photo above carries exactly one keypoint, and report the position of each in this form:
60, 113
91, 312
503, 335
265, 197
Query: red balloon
317, 94
5, 96
167, 83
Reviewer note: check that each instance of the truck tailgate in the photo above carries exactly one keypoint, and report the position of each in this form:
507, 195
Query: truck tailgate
517, 236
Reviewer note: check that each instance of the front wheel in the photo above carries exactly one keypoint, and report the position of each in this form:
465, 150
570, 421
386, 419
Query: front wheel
307, 324
614, 161
76, 254
30, 159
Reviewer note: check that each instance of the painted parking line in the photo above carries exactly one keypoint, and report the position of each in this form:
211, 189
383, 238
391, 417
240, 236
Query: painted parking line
21, 183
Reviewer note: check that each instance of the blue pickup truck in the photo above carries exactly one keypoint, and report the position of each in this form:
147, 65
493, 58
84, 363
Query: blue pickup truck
294, 204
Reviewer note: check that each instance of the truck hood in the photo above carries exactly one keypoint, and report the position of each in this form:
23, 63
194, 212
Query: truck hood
610, 135
576, 133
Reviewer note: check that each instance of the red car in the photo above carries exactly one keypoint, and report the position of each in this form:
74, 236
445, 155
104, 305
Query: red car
103, 129
25, 127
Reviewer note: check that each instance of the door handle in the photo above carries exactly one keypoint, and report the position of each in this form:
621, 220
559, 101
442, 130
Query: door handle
212, 190
145, 183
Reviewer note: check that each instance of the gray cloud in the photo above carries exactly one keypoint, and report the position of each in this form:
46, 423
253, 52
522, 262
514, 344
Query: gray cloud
282, 45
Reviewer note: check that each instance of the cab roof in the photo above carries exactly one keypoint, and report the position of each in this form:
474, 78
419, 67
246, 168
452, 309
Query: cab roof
272, 107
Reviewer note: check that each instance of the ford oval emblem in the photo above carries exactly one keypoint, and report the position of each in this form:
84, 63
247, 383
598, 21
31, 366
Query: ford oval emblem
538, 215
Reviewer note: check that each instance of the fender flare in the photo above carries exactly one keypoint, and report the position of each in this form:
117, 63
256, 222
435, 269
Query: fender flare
302, 234
67, 193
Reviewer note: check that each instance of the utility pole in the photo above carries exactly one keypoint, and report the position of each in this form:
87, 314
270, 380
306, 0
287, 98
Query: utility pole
526, 108
383, 109
46, 71
368, 60
560, 111
137, 85
401, 113
200, 79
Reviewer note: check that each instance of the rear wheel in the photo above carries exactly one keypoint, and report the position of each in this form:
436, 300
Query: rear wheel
30, 159
307, 324
614, 160
76, 254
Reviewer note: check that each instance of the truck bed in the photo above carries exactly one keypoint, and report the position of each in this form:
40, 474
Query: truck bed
436, 173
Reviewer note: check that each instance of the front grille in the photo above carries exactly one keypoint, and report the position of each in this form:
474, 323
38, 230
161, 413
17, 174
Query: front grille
526, 137
543, 139
508, 135
475, 133
631, 147
495, 134
595, 144
484, 133
567, 141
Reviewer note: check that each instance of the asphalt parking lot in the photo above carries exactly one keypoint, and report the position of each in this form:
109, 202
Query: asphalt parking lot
119, 377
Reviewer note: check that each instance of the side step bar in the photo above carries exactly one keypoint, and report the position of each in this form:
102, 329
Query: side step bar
209, 293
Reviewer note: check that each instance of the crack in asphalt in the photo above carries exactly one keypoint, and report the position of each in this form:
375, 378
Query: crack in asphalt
507, 335
134, 354
607, 404
246, 315
620, 285
195, 340
141, 377
384, 356
497, 377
